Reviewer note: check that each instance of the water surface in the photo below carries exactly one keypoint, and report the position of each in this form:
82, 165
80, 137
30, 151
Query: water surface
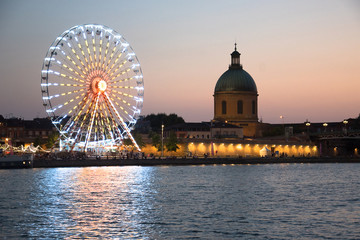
284, 201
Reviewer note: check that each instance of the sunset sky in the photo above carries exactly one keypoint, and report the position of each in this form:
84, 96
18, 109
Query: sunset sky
303, 55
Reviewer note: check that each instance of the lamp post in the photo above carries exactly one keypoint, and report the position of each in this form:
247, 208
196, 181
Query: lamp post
307, 127
345, 122
282, 118
325, 125
162, 140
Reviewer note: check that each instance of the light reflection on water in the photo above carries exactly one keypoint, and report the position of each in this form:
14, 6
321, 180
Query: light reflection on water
287, 201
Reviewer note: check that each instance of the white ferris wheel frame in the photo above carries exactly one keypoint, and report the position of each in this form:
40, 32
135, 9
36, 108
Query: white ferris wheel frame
92, 87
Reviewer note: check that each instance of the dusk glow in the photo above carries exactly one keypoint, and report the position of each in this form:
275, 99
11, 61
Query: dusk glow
303, 55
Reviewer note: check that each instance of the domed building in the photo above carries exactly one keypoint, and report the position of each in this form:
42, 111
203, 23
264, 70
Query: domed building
236, 98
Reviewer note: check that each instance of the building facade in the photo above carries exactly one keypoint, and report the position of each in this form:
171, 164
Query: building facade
25, 132
205, 130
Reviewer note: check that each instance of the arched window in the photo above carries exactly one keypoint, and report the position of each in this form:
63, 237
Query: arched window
223, 107
253, 107
240, 107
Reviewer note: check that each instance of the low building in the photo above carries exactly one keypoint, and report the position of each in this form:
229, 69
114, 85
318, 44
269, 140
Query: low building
205, 130
17, 132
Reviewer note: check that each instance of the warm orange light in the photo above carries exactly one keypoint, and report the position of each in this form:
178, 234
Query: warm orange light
102, 85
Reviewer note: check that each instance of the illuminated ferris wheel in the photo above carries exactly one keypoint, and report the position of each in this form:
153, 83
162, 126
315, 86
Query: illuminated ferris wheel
92, 88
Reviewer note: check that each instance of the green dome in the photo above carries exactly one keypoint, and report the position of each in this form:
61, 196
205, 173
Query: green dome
235, 79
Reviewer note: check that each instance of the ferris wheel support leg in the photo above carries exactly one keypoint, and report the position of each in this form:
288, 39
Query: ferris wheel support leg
113, 121
123, 123
92, 122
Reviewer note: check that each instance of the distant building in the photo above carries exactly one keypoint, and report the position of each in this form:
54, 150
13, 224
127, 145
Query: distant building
236, 98
22, 132
205, 130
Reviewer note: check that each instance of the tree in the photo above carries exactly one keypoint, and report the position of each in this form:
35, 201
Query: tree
156, 120
138, 139
52, 139
156, 140
171, 143
127, 142
38, 142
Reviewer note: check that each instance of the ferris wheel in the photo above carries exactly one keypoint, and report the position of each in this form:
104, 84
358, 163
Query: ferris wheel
92, 87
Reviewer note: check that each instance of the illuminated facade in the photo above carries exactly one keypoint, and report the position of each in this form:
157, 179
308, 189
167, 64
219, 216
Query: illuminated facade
198, 147
236, 98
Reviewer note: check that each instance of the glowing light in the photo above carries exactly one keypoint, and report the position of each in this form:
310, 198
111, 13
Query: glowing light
102, 85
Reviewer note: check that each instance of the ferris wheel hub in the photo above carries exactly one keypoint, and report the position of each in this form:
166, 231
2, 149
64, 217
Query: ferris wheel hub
98, 85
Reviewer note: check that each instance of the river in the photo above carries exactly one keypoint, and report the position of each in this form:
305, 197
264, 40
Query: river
274, 201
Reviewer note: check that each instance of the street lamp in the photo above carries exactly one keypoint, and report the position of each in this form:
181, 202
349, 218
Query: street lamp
307, 127
345, 122
162, 140
325, 125
282, 118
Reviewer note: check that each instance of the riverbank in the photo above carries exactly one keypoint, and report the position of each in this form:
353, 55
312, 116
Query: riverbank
93, 162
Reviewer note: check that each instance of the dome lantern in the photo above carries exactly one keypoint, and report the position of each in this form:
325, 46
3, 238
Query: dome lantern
235, 59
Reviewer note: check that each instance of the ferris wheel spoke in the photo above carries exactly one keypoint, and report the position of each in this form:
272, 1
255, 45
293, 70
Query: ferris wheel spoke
114, 64
127, 64
72, 85
83, 58
82, 65
71, 78
123, 94
77, 114
118, 67
68, 73
68, 59
114, 52
60, 118
72, 58
62, 94
92, 56
121, 80
104, 122
98, 129
110, 126
105, 52
73, 71
101, 46
125, 108
125, 71
81, 123
114, 124
107, 124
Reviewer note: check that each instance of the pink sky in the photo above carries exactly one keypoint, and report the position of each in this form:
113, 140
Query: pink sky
303, 55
